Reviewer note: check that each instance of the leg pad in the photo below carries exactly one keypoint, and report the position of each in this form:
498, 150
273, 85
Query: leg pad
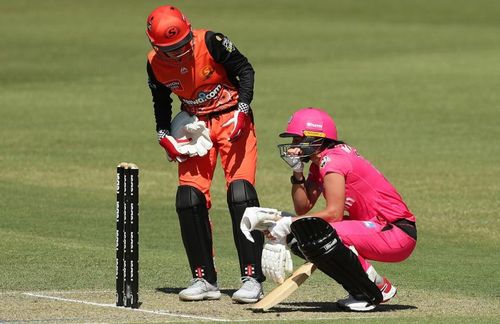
240, 195
319, 243
196, 232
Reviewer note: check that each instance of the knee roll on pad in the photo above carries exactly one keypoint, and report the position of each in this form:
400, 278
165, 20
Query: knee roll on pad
196, 232
240, 195
319, 243
242, 192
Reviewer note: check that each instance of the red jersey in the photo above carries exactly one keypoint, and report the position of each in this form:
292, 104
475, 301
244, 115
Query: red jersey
201, 83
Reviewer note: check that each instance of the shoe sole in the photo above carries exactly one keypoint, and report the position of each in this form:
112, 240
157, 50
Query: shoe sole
246, 300
355, 309
214, 295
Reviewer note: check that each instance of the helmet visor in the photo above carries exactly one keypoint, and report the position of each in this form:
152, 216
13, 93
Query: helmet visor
301, 148
176, 51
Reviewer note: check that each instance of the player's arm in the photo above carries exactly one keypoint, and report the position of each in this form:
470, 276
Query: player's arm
304, 195
238, 69
334, 187
162, 102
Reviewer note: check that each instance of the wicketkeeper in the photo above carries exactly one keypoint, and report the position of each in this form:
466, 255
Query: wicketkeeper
214, 83
365, 217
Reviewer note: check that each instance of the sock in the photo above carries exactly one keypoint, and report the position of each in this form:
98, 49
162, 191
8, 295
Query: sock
374, 276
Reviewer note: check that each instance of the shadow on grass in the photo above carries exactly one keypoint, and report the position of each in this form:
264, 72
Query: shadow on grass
329, 307
177, 290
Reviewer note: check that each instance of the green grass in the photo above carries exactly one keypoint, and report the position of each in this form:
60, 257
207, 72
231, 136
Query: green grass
412, 84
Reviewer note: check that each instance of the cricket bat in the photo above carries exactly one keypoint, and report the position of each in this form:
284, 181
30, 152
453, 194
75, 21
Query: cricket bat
284, 290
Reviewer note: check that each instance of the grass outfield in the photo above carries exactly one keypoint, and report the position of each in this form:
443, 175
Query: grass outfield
412, 84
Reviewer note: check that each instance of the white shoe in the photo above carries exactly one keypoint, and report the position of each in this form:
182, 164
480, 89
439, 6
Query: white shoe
352, 304
200, 289
387, 289
250, 291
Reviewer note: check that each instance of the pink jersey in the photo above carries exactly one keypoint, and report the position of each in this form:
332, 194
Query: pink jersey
368, 193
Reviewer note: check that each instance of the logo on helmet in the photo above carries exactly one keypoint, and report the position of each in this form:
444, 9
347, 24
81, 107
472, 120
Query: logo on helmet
314, 134
150, 22
171, 32
313, 125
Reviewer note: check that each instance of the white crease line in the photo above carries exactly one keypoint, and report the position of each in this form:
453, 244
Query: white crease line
126, 308
194, 316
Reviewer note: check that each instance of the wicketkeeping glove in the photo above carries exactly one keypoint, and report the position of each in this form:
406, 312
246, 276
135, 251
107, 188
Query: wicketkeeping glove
200, 138
176, 149
276, 261
239, 121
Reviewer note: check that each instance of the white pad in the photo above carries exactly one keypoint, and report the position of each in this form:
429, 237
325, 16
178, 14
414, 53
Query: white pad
188, 127
276, 262
258, 218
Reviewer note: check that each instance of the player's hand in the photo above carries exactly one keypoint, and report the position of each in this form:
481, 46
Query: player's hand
175, 149
238, 121
280, 229
276, 261
258, 218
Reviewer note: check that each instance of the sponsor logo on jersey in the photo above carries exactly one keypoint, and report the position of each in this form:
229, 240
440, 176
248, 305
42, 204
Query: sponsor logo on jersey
184, 70
228, 44
204, 96
173, 85
369, 224
324, 161
349, 202
206, 72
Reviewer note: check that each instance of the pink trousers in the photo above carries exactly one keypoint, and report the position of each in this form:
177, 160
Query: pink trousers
373, 243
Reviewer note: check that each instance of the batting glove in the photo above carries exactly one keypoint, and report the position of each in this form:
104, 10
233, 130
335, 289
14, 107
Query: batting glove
239, 121
281, 229
258, 218
175, 149
276, 262
294, 162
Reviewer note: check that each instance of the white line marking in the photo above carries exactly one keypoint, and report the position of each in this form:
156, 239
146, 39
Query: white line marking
126, 308
166, 313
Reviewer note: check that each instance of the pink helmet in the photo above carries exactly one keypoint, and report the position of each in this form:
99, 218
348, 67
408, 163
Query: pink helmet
311, 122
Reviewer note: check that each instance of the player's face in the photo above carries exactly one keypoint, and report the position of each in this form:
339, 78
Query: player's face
294, 150
179, 55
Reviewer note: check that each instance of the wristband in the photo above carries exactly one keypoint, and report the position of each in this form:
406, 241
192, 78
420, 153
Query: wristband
294, 180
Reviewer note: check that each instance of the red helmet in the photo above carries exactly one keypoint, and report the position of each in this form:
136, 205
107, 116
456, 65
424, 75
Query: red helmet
168, 29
